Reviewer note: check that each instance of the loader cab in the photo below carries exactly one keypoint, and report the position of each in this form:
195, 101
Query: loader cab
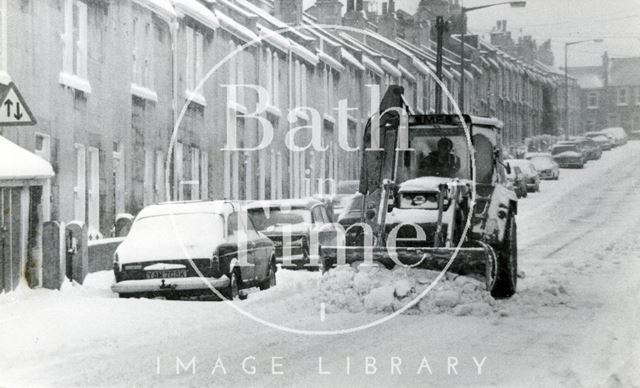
438, 147
427, 131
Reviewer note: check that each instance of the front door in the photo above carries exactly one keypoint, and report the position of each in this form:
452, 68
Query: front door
10, 230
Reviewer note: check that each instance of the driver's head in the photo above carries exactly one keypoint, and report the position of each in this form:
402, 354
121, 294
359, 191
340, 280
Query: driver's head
445, 145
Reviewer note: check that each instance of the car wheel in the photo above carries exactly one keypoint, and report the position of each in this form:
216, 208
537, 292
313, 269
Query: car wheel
538, 187
270, 280
507, 263
233, 290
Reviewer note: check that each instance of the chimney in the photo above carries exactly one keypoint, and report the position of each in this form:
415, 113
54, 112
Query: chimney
351, 5
359, 5
289, 11
384, 8
605, 69
392, 7
504, 26
328, 11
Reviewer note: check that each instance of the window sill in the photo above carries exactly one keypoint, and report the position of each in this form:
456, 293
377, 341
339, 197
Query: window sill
195, 97
274, 110
144, 93
5, 78
299, 113
74, 82
236, 106
329, 118
353, 119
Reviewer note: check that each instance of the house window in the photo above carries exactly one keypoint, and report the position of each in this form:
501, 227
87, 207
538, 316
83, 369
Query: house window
236, 77
592, 100
272, 75
93, 191
195, 63
74, 66
80, 189
622, 96
142, 58
4, 77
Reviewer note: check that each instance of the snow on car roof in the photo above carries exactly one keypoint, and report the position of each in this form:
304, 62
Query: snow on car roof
294, 202
166, 208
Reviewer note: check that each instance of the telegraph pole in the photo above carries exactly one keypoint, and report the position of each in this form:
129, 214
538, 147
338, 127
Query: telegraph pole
440, 29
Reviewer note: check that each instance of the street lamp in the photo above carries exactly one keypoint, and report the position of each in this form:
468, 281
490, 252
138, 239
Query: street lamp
513, 4
566, 82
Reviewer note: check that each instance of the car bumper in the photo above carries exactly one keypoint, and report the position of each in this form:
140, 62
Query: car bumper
570, 164
169, 285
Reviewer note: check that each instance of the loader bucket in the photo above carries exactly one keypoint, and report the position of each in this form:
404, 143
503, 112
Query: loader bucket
476, 261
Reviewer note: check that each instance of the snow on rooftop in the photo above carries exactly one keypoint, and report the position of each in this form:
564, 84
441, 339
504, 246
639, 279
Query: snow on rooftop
196, 10
19, 163
160, 7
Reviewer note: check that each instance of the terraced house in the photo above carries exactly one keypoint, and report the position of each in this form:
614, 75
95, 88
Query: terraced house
111, 83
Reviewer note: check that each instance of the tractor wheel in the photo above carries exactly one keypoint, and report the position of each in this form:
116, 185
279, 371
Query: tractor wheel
233, 290
507, 263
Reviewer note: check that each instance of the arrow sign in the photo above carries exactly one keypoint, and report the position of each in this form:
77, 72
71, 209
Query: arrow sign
13, 109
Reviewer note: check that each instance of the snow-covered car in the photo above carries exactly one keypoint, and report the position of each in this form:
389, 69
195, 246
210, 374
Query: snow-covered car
290, 223
183, 248
591, 147
604, 141
516, 178
618, 133
545, 165
567, 156
528, 169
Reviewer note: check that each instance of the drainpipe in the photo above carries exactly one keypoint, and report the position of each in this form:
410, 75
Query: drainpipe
173, 26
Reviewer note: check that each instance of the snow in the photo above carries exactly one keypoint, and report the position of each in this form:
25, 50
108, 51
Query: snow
573, 321
18, 163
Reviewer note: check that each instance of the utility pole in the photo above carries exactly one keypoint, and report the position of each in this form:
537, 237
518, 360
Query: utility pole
441, 25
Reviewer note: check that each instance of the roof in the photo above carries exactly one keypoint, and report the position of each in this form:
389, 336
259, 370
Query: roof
588, 77
293, 203
197, 11
624, 71
160, 7
181, 207
17, 163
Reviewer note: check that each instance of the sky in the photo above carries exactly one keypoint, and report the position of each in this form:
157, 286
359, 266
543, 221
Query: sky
617, 22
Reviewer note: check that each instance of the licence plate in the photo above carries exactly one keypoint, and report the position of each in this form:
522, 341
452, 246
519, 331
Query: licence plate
167, 274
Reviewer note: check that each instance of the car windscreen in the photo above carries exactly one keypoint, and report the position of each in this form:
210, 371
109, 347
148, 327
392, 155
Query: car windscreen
560, 149
190, 230
265, 217
542, 162
427, 160
348, 187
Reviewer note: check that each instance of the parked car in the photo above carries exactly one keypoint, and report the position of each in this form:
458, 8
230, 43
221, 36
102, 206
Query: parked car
592, 149
517, 180
183, 248
532, 179
604, 141
335, 203
618, 133
545, 165
634, 135
290, 223
580, 147
567, 155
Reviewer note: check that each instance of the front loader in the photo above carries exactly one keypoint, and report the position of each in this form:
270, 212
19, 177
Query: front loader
460, 219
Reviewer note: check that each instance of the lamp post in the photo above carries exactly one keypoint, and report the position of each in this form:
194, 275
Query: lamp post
566, 81
463, 15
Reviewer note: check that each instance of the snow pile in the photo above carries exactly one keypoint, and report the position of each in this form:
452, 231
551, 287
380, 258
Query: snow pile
375, 289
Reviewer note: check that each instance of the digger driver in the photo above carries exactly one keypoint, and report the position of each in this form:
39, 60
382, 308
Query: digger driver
441, 162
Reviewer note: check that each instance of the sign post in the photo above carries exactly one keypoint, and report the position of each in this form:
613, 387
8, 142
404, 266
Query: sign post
14, 111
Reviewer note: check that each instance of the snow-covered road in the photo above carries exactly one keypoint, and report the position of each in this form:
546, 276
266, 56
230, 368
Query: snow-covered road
573, 322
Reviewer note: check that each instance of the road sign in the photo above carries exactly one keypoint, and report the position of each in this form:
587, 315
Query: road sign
13, 109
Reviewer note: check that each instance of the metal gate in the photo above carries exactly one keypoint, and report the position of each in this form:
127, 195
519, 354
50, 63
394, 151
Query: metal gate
10, 250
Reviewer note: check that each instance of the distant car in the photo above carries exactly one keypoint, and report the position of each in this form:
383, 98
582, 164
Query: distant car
567, 156
545, 165
634, 135
181, 248
580, 147
593, 150
532, 179
604, 141
290, 223
517, 180
336, 203
618, 133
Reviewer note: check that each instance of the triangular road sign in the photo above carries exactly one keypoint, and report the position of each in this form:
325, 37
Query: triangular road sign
13, 109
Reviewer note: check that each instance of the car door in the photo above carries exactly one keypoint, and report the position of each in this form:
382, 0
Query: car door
262, 248
245, 248
322, 226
